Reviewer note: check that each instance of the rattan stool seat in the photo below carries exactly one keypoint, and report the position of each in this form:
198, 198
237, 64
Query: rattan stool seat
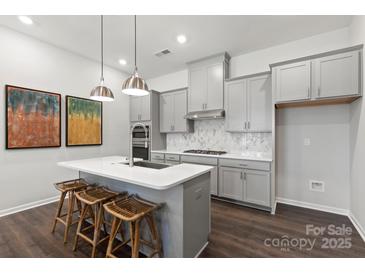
76, 184
96, 195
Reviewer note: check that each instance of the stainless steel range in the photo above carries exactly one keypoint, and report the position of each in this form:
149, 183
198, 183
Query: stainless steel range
202, 151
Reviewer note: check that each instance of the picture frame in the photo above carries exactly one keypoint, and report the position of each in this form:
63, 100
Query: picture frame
84, 122
32, 118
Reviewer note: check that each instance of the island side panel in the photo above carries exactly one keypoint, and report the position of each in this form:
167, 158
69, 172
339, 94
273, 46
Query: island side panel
169, 218
196, 214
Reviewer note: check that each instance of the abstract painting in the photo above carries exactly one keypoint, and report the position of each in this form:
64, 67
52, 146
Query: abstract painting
84, 119
33, 118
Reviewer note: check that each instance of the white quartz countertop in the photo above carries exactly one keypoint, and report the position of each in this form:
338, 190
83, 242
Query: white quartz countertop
252, 156
112, 167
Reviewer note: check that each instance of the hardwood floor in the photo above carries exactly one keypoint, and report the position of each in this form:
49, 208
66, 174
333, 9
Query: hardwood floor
236, 232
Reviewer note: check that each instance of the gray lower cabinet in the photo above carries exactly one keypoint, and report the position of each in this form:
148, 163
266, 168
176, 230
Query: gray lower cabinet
140, 108
157, 157
231, 183
257, 187
251, 186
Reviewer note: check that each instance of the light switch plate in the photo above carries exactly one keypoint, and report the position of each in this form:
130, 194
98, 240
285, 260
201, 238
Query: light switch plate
307, 141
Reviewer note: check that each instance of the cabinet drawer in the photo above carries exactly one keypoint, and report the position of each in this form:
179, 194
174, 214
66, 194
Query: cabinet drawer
199, 160
172, 157
245, 164
172, 162
157, 156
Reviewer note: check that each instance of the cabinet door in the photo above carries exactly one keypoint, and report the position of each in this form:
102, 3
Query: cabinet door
293, 81
235, 101
145, 108
231, 183
215, 87
166, 112
179, 111
197, 89
135, 108
257, 187
259, 106
337, 75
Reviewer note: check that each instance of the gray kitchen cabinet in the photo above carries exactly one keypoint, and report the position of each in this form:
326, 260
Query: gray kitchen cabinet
248, 104
166, 112
257, 187
157, 157
206, 82
293, 81
197, 89
235, 102
231, 183
173, 108
140, 108
336, 75
215, 82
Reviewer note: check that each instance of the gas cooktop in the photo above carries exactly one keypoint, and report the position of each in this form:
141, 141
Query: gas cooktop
201, 151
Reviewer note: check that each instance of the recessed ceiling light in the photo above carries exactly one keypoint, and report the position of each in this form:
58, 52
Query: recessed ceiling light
122, 62
181, 38
25, 19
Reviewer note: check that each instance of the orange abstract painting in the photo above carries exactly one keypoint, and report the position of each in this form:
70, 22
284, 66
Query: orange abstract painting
83, 121
33, 118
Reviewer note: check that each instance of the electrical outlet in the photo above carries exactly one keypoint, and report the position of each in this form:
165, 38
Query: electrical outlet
316, 186
307, 141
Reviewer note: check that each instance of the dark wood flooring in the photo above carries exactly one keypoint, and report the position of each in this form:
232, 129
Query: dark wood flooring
236, 232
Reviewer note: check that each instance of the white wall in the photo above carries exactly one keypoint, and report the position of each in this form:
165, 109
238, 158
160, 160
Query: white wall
27, 175
325, 159
259, 61
357, 136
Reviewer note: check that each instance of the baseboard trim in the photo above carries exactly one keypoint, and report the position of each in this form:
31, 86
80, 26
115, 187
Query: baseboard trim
357, 225
273, 210
23, 207
201, 250
324, 208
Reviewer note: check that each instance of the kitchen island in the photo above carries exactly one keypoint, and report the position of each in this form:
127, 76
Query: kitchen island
183, 190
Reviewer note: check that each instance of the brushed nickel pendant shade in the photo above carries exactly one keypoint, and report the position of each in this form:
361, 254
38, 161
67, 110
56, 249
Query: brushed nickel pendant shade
101, 92
135, 85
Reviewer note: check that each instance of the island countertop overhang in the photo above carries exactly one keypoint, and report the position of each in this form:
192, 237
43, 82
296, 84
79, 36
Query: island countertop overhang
159, 179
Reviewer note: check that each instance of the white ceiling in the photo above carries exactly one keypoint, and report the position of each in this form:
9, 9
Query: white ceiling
206, 35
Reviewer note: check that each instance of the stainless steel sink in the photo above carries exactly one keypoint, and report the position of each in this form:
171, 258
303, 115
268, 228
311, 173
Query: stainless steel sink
148, 164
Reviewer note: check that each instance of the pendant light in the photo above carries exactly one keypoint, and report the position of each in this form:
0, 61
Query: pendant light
135, 85
101, 92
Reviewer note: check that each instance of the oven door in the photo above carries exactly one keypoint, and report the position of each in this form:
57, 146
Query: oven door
140, 151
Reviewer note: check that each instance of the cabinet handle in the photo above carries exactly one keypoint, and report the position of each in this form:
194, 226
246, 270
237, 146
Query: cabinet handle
242, 165
319, 91
308, 92
245, 125
248, 124
203, 106
241, 176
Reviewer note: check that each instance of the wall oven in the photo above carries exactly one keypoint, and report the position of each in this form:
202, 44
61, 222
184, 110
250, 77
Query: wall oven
140, 150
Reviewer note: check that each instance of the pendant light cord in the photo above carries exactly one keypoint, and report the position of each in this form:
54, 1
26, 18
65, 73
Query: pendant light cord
135, 42
102, 46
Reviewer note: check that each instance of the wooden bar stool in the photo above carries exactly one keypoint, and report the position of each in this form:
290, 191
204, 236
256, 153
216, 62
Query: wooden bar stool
133, 210
94, 197
68, 187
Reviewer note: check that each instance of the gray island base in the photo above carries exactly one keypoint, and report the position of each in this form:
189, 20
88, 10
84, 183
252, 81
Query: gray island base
184, 218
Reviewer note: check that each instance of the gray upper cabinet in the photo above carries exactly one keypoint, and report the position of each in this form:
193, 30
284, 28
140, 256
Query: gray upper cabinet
293, 81
337, 75
248, 104
206, 83
318, 78
235, 101
173, 108
140, 108
257, 187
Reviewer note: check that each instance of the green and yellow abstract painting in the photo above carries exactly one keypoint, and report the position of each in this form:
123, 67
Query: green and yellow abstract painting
83, 121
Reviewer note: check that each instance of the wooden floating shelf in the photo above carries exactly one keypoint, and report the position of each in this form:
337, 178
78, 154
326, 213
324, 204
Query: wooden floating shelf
320, 102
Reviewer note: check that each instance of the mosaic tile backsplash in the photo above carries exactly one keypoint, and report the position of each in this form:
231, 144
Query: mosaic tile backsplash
210, 134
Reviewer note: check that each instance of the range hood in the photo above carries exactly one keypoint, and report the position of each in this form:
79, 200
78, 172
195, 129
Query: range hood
206, 115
